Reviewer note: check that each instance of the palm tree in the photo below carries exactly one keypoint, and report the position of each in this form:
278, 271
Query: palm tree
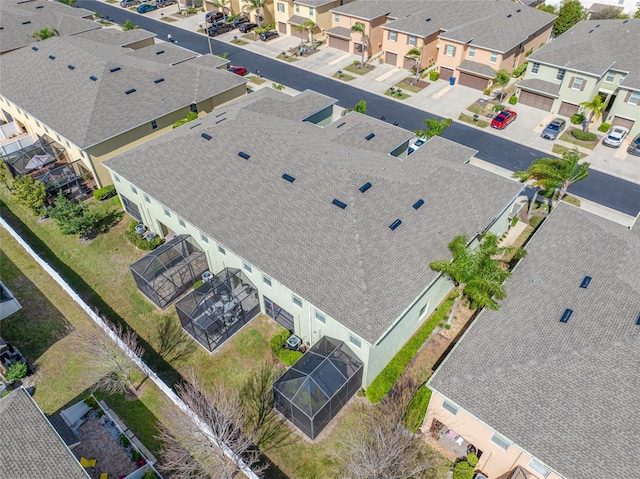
258, 7
415, 54
502, 80
45, 33
310, 25
360, 28
225, 6
476, 272
435, 127
300, 28
596, 106
126, 26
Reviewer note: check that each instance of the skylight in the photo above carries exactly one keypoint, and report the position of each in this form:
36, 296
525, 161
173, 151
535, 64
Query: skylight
114, 69
35, 49
585, 282
369, 136
395, 224
289, 178
418, 204
206, 136
130, 91
71, 67
158, 80
365, 187
159, 52
242, 154
52, 57
566, 315
92, 78
339, 204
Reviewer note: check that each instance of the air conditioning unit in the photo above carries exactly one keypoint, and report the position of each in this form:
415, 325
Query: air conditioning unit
294, 342
207, 276
150, 236
140, 229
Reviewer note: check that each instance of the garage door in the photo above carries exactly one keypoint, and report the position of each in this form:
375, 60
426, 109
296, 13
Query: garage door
473, 81
282, 28
445, 73
619, 121
391, 58
568, 109
339, 43
535, 100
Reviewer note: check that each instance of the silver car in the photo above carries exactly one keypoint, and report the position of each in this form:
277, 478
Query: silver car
553, 129
634, 147
616, 136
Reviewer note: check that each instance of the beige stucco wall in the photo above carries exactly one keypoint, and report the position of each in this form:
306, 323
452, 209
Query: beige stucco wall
373, 32
401, 47
321, 17
495, 461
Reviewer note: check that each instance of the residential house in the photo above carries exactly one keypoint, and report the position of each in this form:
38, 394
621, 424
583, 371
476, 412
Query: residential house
290, 14
126, 91
588, 60
470, 42
332, 223
234, 7
548, 384
628, 7
22, 18
8, 303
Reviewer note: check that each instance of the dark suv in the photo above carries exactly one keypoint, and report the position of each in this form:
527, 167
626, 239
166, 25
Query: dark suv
212, 17
266, 36
242, 19
247, 27
219, 28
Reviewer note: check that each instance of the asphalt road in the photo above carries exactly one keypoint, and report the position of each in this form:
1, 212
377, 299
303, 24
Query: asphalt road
615, 193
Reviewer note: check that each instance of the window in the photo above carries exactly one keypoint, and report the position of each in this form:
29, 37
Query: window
134, 189
280, 7
182, 223
154, 125
447, 406
577, 84
539, 468
449, 50
311, 11
222, 251
634, 98
472, 52
422, 310
131, 208
412, 41
167, 213
393, 36
297, 8
560, 75
247, 267
355, 341
147, 199
610, 77
193, 107
297, 301
494, 57
204, 238
116, 177
336, 17
500, 441
266, 280
321, 317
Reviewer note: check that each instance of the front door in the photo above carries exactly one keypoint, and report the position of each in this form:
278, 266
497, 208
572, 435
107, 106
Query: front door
279, 315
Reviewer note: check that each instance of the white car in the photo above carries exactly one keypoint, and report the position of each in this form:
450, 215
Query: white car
417, 144
616, 136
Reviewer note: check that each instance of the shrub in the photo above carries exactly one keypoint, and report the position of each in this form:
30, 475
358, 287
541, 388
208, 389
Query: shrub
513, 100
190, 117
278, 345
104, 193
149, 474
577, 119
16, 371
91, 402
124, 440
197, 284
231, 18
433, 76
472, 459
520, 70
462, 470
583, 135
417, 409
604, 127
135, 455
30, 193
498, 108
139, 241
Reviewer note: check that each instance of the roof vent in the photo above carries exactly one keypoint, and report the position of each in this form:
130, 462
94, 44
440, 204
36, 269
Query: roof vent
114, 69
585, 282
566, 315
638, 320
289, 178
369, 136
26, 22
206, 136
158, 80
39, 7
418, 204
92, 78
598, 25
509, 16
339, 204
242, 154
395, 224
52, 57
428, 19
590, 31
221, 120
71, 67
365, 187
130, 91
518, 10
220, 114
35, 49
159, 52
341, 124
625, 21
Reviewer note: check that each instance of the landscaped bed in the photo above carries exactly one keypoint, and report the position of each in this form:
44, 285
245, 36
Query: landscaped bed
410, 84
570, 137
359, 69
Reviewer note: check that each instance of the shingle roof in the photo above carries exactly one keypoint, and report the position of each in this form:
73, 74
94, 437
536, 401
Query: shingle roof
555, 388
478, 68
314, 3
100, 109
116, 37
540, 86
370, 9
30, 447
297, 20
360, 272
339, 32
596, 46
354, 128
20, 19
165, 53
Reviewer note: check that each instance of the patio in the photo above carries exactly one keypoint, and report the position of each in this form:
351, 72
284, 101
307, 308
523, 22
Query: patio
450, 442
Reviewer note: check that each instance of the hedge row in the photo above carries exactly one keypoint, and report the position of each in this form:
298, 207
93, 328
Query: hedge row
417, 409
279, 348
104, 193
383, 383
583, 135
139, 241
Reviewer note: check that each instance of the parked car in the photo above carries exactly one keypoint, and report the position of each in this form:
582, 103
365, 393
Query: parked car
502, 119
165, 3
553, 129
634, 147
238, 70
219, 28
416, 145
266, 36
146, 7
241, 20
129, 3
212, 17
247, 27
616, 136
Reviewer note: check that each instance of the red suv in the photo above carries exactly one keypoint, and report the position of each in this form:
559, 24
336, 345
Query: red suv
502, 119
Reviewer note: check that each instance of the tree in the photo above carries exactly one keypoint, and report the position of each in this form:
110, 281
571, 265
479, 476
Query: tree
607, 13
360, 107
172, 343
360, 28
225, 6
5, 174
597, 106
112, 368
126, 26
45, 33
547, 8
301, 28
75, 218
310, 25
68, 2
415, 54
258, 7
30, 193
378, 445
570, 13
435, 127
476, 273
637, 14
15, 372
502, 80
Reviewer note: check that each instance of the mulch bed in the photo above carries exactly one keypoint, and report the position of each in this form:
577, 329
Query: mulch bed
420, 84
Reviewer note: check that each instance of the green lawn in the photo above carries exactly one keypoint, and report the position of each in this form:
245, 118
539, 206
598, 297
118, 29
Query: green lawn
396, 95
561, 150
343, 76
359, 71
470, 120
569, 138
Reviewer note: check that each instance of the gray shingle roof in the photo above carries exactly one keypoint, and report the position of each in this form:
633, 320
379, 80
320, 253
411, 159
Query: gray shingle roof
21, 19
540, 86
100, 109
478, 68
166, 53
370, 9
114, 36
361, 273
566, 393
297, 20
590, 48
314, 3
339, 32
353, 129
30, 447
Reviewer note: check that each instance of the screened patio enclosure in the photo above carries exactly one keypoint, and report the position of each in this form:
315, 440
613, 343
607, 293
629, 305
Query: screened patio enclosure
38, 157
312, 391
220, 307
169, 270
